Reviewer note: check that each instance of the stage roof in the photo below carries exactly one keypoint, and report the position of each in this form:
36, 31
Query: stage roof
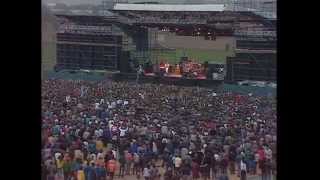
169, 7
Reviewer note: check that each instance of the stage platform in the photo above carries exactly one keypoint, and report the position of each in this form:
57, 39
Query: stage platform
168, 80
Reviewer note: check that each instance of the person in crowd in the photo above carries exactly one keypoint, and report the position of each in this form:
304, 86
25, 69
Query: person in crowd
243, 170
263, 167
223, 176
154, 172
128, 162
80, 174
168, 174
122, 163
195, 170
137, 166
177, 161
268, 169
51, 170
186, 170
146, 173
205, 167
111, 168
89, 172
232, 159
100, 172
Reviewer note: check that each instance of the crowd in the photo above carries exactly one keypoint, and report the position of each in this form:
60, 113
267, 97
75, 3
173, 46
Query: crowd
102, 130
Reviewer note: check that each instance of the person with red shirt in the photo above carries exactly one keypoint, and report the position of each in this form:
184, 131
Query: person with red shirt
261, 153
111, 168
195, 170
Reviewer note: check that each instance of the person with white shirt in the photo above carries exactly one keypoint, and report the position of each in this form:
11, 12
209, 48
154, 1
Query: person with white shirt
57, 155
86, 134
96, 133
100, 132
154, 148
96, 106
268, 153
110, 124
164, 129
139, 71
146, 173
113, 105
243, 170
123, 131
93, 157
68, 98
119, 101
217, 157
177, 164
114, 153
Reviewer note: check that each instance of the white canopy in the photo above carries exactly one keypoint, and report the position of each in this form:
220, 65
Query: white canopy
169, 7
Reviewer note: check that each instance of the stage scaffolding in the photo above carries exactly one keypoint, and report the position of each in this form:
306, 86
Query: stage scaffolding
87, 42
146, 47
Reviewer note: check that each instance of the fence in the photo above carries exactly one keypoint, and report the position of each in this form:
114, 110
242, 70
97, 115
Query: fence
258, 91
93, 76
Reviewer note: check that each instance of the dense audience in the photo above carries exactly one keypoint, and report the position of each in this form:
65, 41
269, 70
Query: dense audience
104, 130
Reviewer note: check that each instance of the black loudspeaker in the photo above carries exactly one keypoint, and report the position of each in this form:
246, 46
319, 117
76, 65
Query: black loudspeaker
124, 62
57, 68
184, 59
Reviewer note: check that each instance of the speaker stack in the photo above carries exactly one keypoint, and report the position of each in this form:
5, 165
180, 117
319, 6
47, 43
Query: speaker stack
124, 62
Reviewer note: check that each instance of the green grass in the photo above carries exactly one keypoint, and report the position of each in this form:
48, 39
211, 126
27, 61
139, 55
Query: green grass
199, 55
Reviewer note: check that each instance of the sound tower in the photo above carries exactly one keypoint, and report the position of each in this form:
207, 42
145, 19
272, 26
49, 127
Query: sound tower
124, 62
184, 58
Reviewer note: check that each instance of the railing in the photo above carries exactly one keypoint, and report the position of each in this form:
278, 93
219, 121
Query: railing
81, 29
255, 33
167, 21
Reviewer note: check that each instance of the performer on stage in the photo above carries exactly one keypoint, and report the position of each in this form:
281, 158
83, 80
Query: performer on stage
167, 66
177, 70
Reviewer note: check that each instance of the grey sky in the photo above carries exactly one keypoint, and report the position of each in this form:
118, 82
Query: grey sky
94, 2
72, 2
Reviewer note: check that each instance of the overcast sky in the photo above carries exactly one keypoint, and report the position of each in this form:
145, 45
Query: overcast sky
71, 2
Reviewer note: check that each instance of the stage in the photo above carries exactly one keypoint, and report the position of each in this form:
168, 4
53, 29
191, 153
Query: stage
168, 80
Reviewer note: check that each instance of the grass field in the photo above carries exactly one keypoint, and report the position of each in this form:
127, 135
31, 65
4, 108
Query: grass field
199, 55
